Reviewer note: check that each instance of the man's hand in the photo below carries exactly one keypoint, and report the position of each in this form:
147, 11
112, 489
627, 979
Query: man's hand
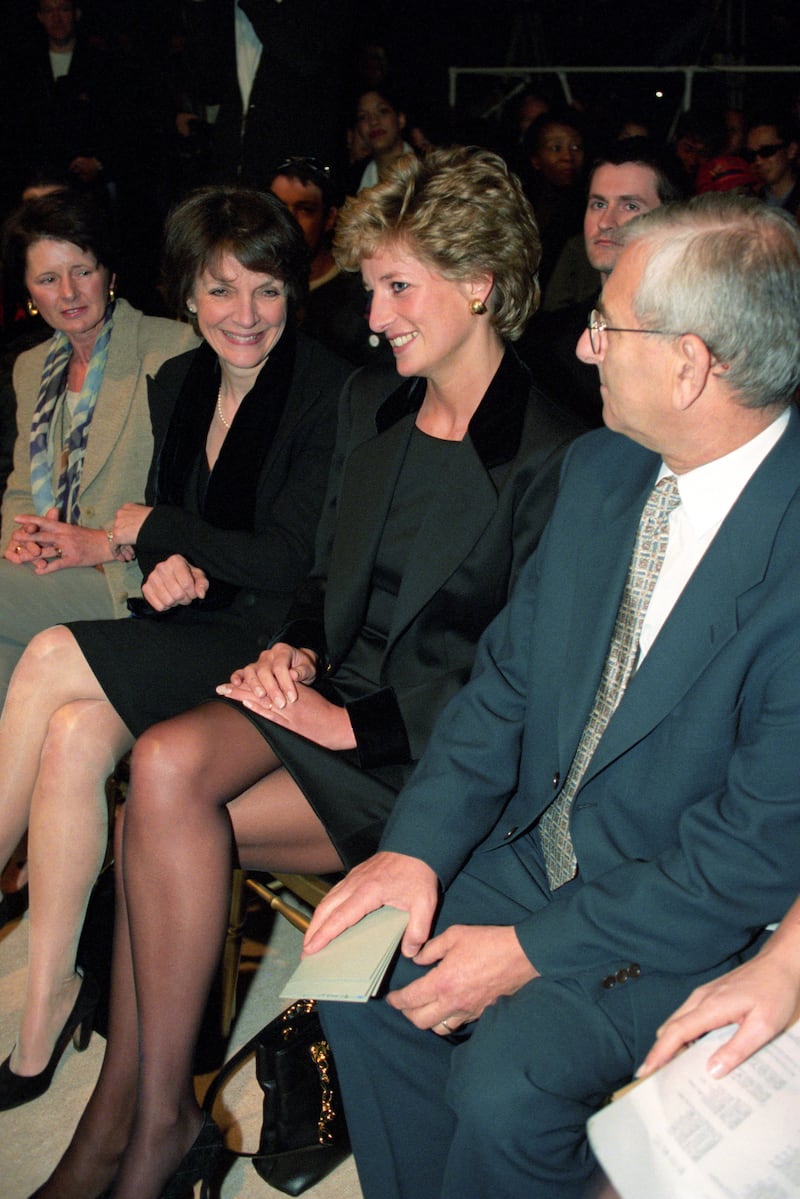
473, 965
174, 582
386, 879
273, 678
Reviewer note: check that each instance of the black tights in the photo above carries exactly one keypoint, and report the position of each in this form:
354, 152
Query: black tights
198, 783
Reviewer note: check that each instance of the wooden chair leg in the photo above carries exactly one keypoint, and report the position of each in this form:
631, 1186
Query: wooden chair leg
232, 953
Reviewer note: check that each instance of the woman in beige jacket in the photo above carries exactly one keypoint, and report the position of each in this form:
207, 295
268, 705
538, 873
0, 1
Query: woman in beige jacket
84, 436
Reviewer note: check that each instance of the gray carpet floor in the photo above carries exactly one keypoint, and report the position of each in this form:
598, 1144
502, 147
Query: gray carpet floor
33, 1137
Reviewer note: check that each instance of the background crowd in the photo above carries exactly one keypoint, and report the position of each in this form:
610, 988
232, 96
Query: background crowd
137, 104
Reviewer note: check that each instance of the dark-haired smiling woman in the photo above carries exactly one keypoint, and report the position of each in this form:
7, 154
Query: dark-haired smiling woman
438, 495
244, 431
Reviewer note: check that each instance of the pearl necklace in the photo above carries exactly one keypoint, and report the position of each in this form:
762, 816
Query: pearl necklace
219, 409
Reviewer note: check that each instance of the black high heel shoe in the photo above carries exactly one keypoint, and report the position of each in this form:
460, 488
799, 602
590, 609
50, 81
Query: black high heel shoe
200, 1163
16, 1089
13, 905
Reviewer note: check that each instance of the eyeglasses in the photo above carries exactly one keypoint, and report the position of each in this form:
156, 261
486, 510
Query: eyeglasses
305, 165
597, 326
763, 151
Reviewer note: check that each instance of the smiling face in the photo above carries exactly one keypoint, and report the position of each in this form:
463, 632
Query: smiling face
425, 317
380, 124
69, 288
240, 313
617, 194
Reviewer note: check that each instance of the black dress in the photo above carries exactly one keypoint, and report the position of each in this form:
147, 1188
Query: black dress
155, 665
353, 802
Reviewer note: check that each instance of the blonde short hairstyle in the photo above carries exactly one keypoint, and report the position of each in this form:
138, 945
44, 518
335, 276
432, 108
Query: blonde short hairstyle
461, 212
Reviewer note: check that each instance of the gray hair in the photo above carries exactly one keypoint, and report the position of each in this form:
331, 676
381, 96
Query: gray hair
727, 268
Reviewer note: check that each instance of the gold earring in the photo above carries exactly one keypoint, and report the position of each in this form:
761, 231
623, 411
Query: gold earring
190, 310
32, 309
112, 295
477, 307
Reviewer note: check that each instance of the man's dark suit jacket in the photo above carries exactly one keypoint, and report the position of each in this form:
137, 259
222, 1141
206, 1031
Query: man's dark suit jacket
687, 823
296, 105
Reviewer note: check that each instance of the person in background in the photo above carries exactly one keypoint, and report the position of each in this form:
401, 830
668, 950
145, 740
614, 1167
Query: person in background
762, 997
771, 148
70, 118
629, 179
270, 78
85, 436
335, 309
380, 120
244, 428
554, 181
438, 495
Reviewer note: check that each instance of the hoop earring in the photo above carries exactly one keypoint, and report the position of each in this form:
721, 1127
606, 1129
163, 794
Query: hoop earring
477, 307
32, 309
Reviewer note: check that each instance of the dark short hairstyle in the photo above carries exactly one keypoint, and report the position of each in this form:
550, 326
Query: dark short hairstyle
642, 153
58, 216
535, 132
387, 92
780, 121
254, 226
308, 169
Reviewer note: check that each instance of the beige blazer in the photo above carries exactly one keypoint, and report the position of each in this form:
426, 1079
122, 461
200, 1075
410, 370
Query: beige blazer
120, 442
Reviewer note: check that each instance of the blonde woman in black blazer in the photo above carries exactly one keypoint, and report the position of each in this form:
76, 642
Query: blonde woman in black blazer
438, 495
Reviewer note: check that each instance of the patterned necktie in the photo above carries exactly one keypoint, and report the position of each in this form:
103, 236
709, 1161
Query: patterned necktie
646, 562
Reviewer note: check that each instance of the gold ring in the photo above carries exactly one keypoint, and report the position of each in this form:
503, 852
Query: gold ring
444, 1024
59, 551
17, 549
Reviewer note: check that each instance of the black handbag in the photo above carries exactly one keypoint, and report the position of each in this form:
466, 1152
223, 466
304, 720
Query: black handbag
303, 1130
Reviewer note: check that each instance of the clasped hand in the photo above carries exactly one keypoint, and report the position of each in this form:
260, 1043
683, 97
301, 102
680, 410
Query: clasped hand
471, 965
174, 582
269, 687
51, 544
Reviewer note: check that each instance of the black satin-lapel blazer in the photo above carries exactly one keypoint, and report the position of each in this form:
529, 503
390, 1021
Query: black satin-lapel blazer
469, 547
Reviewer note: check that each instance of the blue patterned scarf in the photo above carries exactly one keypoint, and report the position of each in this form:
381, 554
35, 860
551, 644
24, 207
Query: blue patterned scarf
43, 445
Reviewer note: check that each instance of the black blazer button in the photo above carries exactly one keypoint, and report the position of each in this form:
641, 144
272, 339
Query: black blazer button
556, 780
622, 976
634, 970
609, 982
510, 833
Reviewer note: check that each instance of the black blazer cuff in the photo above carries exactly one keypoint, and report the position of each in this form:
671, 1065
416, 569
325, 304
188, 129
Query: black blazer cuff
379, 729
305, 634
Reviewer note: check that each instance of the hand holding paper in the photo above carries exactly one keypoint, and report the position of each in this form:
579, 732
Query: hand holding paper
351, 966
386, 879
